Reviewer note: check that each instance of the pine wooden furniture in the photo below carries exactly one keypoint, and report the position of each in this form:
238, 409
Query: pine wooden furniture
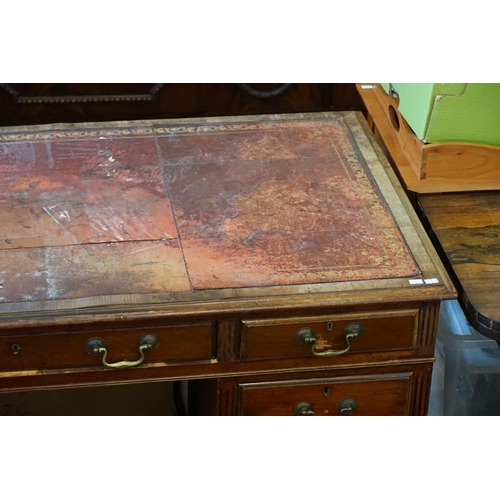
271, 263
429, 168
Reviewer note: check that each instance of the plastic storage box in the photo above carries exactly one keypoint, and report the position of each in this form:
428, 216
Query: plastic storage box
458, 112
467, 366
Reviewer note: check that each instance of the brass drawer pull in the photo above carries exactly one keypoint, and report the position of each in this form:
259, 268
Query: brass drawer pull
303, 409
306, 336
97, 346
348, 406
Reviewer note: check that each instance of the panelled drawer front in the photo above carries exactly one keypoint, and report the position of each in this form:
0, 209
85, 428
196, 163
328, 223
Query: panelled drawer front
362, 396
177, 343
276, 338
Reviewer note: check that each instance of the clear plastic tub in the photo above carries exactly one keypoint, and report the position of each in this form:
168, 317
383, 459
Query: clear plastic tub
467, 372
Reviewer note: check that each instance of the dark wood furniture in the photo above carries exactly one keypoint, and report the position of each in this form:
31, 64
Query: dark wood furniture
37, 103
464, 226
272, 265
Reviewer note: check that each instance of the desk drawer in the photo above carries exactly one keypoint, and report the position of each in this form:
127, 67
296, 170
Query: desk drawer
48, 351
280, 338
359, 395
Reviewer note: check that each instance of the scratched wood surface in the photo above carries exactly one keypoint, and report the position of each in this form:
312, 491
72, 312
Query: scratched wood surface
179, 207
467, 229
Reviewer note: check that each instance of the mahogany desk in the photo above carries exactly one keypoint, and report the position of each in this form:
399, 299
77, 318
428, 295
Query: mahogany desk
464, 227
274, 263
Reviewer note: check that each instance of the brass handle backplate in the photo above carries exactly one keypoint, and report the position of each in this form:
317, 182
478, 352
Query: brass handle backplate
97, 347
306, 336
303, 409
348, 406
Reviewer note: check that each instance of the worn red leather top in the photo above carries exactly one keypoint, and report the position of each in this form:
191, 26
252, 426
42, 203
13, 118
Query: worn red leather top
153, 209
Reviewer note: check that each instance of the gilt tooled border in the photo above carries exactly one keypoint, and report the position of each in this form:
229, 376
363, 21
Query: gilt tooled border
76, 134
238, 126
398, 254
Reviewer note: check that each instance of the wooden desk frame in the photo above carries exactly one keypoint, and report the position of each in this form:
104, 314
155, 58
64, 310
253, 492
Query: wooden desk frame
225, 378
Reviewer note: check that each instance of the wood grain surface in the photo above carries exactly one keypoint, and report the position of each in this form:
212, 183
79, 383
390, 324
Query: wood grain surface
466, 228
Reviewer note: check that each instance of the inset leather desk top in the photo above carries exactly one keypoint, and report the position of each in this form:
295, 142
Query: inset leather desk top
142, 208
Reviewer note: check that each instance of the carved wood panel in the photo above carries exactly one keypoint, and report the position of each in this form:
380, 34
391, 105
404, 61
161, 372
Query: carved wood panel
38, 103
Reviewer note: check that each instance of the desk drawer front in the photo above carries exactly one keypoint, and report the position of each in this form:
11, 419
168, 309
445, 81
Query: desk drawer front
277, 338
68, 350
363, 396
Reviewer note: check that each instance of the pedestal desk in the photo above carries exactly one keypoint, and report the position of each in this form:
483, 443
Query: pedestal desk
272, 263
